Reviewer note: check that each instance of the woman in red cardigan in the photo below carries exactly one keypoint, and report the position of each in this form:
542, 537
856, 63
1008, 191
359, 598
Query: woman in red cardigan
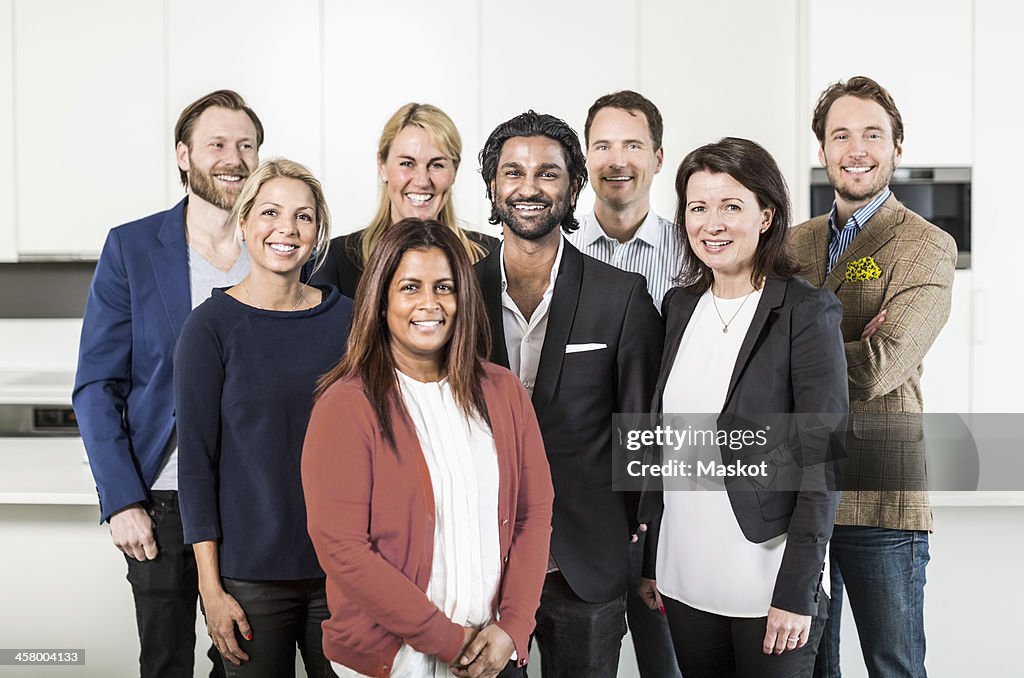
427, 489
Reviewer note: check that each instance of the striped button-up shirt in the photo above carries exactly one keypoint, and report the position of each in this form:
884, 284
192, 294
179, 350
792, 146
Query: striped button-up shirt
654, 251
839, 240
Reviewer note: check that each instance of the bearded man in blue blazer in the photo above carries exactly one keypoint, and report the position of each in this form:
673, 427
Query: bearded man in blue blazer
150, 275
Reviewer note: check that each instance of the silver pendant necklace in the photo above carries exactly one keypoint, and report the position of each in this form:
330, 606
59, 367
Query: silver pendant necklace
257, 304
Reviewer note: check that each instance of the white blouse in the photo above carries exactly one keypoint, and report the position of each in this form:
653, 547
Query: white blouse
466, 568
703, 558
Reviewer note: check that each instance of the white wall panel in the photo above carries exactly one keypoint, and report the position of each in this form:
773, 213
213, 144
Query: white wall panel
8, 238
89, 92
997, 235
554, 57
919, 50
267, 51
378, 57
722, 69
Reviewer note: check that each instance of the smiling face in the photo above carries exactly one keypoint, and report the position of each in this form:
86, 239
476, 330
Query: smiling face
422, 303
724, 224
280, 231
859, 153
220, 155
531, 188
418, 173
621, 157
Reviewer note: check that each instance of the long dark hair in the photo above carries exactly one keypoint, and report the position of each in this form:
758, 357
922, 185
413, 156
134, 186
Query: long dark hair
750, 164
369, 343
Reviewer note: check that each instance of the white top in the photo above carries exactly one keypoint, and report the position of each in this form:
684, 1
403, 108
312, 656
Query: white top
525, 339
703, 558
465, 572
654, 251
203, 277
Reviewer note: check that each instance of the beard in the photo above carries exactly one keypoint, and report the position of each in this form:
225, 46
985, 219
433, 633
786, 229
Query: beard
856, 194
204, 186
558, 210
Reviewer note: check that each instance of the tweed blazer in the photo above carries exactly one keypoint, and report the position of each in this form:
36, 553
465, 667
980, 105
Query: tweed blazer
884, 476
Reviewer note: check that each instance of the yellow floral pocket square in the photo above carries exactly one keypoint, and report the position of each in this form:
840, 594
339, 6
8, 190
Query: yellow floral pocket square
862, 269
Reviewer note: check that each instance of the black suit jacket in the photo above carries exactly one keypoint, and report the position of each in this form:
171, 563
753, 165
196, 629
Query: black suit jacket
341, 270
575, 396
791, 360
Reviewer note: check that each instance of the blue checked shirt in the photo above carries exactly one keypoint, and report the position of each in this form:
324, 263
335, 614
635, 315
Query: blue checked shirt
839, 240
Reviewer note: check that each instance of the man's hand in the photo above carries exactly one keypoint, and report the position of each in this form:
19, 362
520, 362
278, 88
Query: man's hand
874, 324
786, 631
648, 592
222, 614
131, 528
486, 655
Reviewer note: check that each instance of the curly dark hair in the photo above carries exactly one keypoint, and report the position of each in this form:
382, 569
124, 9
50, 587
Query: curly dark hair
531, 124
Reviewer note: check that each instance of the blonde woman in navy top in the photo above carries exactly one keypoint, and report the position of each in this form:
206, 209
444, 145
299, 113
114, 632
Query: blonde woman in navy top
244, 374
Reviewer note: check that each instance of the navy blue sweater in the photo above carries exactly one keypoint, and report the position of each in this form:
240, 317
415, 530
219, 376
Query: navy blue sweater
243, 390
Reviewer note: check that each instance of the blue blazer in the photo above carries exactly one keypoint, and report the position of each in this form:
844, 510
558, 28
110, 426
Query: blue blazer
124, 397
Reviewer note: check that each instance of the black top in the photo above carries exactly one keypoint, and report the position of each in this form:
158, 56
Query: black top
243, 389
341, 270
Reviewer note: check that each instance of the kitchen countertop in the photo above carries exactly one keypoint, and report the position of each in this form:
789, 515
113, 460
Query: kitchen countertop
51, 470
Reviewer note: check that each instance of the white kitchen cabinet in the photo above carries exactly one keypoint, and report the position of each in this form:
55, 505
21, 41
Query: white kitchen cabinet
8, 237
267, 51
722, 69
378, 57
946, 382
556, 58
919, 50
997, 235
90, 120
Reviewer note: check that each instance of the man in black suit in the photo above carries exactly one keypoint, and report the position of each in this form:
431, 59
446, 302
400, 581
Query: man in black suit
585, 339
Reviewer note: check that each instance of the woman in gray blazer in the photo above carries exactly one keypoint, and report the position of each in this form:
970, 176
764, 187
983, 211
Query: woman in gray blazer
738, 572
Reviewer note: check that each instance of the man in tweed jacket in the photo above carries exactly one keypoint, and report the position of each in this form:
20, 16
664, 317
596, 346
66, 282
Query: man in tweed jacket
893, 272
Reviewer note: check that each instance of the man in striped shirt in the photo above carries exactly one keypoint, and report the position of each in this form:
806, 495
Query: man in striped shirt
624, 152
623, 136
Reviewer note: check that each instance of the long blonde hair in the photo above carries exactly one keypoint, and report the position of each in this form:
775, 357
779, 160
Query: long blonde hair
436, 123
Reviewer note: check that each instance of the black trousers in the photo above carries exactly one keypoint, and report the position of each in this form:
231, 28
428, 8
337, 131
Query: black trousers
283, 615
165, 591
578, 638
712, 646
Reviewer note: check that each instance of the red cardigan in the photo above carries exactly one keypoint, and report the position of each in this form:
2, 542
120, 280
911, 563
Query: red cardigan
370, 513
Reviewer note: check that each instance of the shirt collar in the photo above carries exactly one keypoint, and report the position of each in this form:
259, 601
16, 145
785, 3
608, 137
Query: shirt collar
861, 217
649, 231
554, 266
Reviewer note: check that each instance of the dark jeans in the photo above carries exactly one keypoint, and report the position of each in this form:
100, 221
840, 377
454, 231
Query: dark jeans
648, 628
283, 615
712, 646
577, 638
165, 591
883, 573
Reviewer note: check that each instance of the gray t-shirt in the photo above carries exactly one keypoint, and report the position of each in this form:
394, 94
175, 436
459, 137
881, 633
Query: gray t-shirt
203, 277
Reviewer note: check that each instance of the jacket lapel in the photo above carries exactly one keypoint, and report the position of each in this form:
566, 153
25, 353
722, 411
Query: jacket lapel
819, 256
561, 314
489, 274
678, 319
771, 298
170, 267
876, 233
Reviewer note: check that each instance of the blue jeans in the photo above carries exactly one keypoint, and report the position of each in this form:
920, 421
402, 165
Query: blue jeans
883, 572
577, 638
648, 628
